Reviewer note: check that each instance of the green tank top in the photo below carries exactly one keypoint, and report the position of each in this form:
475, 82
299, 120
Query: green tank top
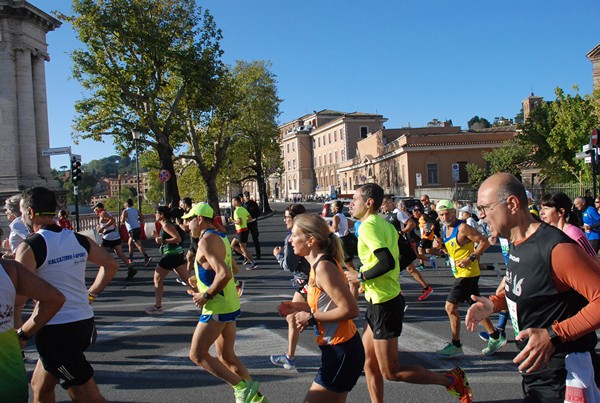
227, 300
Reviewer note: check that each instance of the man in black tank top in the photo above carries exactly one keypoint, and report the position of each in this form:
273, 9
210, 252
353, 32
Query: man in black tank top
551, 292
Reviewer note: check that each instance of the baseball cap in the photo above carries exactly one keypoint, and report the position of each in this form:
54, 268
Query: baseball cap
246, 193
445, 205
200, 209
466, 209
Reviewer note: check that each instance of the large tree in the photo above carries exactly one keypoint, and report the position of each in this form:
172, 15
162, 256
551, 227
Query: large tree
140, 59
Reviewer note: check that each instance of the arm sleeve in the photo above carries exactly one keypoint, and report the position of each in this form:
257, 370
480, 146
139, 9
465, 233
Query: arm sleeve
38, 245
573, 268
83, 241
385, 264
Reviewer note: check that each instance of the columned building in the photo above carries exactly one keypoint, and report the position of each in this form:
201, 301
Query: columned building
23, 105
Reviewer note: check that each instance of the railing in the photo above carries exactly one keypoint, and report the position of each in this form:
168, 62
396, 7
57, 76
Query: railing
90, 221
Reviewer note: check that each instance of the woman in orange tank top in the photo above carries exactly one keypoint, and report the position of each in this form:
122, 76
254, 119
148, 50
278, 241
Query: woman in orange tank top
330, 308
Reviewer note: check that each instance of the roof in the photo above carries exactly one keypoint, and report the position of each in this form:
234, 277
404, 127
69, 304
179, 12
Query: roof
594, 53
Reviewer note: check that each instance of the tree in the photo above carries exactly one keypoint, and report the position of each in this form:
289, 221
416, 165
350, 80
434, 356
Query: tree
555, 131
476, 123
503, 159
141, 58
259, 110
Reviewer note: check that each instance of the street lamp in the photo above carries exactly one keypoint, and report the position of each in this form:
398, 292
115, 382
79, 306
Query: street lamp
118, 195
135, 133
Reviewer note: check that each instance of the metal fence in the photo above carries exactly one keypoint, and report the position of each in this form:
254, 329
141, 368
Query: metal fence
570, 189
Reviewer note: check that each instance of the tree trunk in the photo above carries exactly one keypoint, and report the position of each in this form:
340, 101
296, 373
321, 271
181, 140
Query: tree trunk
263, 202
170, 186
212, 194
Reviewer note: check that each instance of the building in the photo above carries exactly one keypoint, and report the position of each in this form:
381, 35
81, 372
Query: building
330, 153
312, 148
23, 102
594, 57
127, 181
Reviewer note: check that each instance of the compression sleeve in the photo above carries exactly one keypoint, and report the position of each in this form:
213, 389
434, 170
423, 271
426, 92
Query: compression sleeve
384, 264
573, 268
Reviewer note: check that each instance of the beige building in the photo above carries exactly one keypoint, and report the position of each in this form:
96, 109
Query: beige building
313, 147
594, 57
331, 152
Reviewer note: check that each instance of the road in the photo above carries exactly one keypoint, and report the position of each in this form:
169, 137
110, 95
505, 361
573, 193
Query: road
143, 358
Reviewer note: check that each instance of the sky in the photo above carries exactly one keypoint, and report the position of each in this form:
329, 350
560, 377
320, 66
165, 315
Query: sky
411, 61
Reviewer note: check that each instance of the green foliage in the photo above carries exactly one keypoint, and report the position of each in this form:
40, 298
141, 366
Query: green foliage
503, 159
476, 175
141, 58
86, 187
557, 130
478, 123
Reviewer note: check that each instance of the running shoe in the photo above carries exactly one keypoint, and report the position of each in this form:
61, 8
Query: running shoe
180, 281
259, 398
420, 267
460, 385
246, 393
246, 261
426, 293
154, 310
283, 361
433, 262
251, 265
485, 336
494, 345
130, 260
239, 286
147, 261
450, 351
131, 272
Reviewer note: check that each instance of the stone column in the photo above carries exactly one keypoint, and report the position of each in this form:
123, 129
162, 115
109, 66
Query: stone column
26, 115
9, 151
40, 104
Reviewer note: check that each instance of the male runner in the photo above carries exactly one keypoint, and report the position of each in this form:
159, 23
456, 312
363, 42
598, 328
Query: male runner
133, 222
459, 240
551, 293
378, 251
59, 256
240, 242
254, 211
220, 305
399, 219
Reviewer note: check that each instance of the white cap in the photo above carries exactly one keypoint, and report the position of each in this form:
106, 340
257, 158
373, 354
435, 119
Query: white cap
466, 209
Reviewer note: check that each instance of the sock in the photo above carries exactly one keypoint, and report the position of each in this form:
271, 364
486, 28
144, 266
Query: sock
495, 335
146, 255
457, 343
240, 385
502, 318
426, 288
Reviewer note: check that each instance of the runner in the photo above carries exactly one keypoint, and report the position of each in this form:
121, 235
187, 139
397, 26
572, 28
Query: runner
254, 211
551, 292
330, 308
133, 222
16, 279
300, 269
459, 240
339, 226
378, 251
399, 219
59, 256
217, 296
240, 243
107, 227
169, 240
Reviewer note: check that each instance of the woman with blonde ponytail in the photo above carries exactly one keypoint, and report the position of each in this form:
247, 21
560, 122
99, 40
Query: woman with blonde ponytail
330, 308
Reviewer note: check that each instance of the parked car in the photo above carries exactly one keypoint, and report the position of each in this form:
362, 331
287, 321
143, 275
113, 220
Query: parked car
409, 202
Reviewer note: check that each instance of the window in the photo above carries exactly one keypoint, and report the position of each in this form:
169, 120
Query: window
363, 132
294, 163
335, 135
336, 156
315, 161
293, 146
288, 148
319, 141
320, 161
343, 154
330, 159
432, 174
289, 165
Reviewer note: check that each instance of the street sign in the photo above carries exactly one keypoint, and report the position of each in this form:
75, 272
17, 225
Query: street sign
455, 172
594, 137
76, 157
419, 179
56, 151
164, 175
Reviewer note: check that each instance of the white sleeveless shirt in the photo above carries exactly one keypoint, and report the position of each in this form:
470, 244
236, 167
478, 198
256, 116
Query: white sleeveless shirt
342, 226
133, 219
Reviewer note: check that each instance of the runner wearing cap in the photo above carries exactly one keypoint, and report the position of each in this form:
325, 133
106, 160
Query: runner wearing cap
459, 240
220, 304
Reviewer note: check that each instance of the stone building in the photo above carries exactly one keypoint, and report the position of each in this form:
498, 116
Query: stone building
23, 105
594, 57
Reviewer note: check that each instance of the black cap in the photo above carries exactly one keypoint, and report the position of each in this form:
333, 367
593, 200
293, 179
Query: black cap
246, 193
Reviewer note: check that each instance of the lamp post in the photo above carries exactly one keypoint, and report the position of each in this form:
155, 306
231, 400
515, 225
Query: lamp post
118, 195
136, 137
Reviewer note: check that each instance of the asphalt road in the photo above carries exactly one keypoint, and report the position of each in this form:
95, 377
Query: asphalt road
143, 358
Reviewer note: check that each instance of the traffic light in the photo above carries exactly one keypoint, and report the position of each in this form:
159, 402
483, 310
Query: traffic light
75, 170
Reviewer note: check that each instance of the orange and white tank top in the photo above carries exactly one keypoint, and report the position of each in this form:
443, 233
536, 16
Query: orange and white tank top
328, 333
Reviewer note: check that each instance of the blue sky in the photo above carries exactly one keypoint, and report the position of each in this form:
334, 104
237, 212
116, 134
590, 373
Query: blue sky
411, 61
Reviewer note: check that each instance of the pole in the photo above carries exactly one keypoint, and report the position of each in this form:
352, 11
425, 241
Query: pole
137, 171
119, 202
594, 171
75, 198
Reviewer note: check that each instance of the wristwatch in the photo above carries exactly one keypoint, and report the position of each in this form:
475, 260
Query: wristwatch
21, 335
472, 257
311, 320
554, 338
360, 277
206, 296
